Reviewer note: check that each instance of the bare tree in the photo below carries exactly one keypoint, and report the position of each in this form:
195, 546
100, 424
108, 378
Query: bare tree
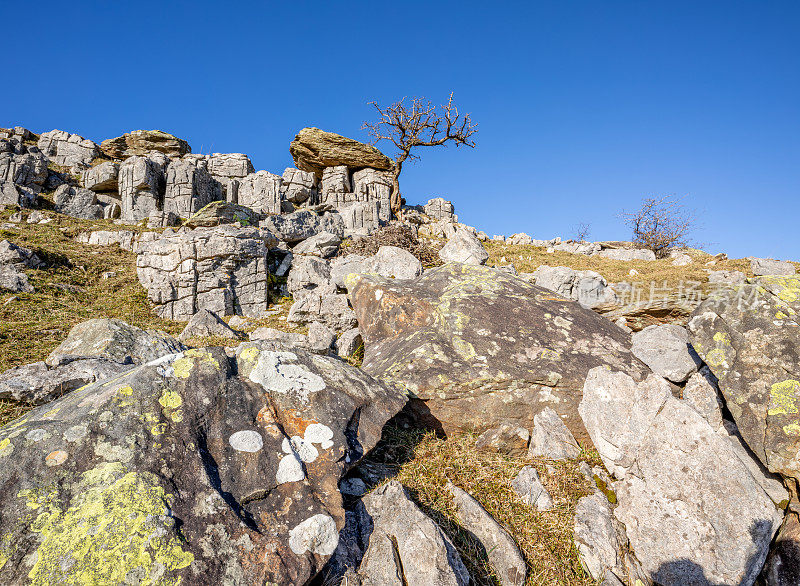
582, 231
418, 124
661, 224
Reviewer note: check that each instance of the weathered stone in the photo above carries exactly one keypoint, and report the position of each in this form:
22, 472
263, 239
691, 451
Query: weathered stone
309, 273
218, 213
331, 309
480, 346
506, 438
667, 351
320, 338
440, 209
768, 266
281, 338
68, 150
299, 186
181, 470
588, 288
162, 219
10, 195
361, 218
141, 185
314, 149
19, 255
465, 248
102, 177
370, 185
304, 224
551, 439
749, 337
189, 187
679, 477
335, 180
222, 269
78, 202
125, 238
783, 564
501, 549
726, 277
341, 266
142, 142
113, 339
627, 254
405, 546
394, 263
348, 343
701, 393
323, 245
261, 192
205, 324
13, 279
27, 170
531, 490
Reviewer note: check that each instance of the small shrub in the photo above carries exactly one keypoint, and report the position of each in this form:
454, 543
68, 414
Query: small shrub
395, 235
661, 224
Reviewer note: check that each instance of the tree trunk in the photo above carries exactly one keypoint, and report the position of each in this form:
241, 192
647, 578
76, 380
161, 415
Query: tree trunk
396, 201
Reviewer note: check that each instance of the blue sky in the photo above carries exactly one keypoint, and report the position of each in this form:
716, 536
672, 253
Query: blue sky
584, 107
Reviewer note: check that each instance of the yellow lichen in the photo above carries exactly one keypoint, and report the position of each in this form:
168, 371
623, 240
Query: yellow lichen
715, 357
112, 532
783, 397
170, 402
183, 366
6, 447
791, 429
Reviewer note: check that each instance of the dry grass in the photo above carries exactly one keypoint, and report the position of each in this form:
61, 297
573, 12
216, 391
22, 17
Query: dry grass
424, 463
424, 249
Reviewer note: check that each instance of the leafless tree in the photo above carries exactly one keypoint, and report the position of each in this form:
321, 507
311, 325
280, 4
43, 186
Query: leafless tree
418, 124
661, 224
582, 231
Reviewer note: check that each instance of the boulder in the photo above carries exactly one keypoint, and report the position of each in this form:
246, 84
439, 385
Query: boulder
440, 209
206, 324
464, 247
102, 177
341, 266
280, 338
678, 476
304, 224
527, 485
115, 340
320, 338
627, 254
330, 309
404, 545
68, 150
314, 149
20, 256
768, 266
506, 438
222, 212
261, 192
299, 186
222, 269
189, 187
323, 245
141, 187
551, 439
335, 180
142, 142
197, 468
13, 279
27, 170
125, 238
667, 351
78, 202
394, 263
479, 346
588, 288
681, 260
501, 549
309, 273
749, 337
726, 277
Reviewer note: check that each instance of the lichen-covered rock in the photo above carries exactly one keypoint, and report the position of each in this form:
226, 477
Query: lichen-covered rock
678, 476
222, 269
588, 288
182, 471
142, 142
68, 150
314, 149
749, 336
480, 346
348, 343
667, 351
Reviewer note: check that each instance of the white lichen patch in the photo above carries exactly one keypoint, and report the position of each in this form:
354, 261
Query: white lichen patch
316, 534
76, 433
319, 434
276, 372
36, 435
290, 469
301, 450
246, 441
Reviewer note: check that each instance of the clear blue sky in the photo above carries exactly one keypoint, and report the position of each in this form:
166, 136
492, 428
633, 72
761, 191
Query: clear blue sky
584, 107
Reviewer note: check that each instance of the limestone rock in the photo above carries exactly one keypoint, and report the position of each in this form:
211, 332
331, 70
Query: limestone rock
125, 238
627, 254
19, 255
748, 335
189, 469
465, 248
440, 209
68, 150
113, 339
78, 202
667, 351
205, 324
222, 269
331, 309
218, 213
13, 279
701, 393
348, 343
301, 225
142, 142
335, 180
726, 277
141, 185
299, 186
501, 549
314, 149
102, 177
551, 439
361, 218
309, 273
783, 564
370, 185
394, 263
768, 266
323, 245
588, 288
480, 346
189, 187
341, 266
261, 192
506, 438
679, 477
320, 338
280, 338
531, 490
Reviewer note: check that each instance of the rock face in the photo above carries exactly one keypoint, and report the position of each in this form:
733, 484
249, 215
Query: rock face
78, 202
189, 187
463, 247
68, 150
588, 288
405, 546
141, 183
206, 323
678, 476
23, 172
261, 192
749, 338
222, 269
102, 177
440, 209
481, 347
314, 149
142, 142
304, 224
222, 212
183, 471
667, 351
768, 266
299, 186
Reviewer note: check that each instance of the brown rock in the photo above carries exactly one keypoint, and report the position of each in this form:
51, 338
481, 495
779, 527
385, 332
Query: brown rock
141, 142
314, 149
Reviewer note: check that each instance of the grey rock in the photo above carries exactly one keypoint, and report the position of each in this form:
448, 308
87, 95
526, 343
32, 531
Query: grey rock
9, 194
102, 177
440, 209
726, 277
348, 343
222, 212
394, 263
361, 218
701, 393
189, 187
222, 269
588, 288
341, 266
115, 340
125, 238
141, 186
501, 549
464, 248
600, 540
371, 185
299, 186
627, 254
323, 245
331, 309
309, 273
783, 564
320, 338
768, 266
18, 255
68, 150
531, 490
285, 339
78, 202
679, 477
261, 192
13, 279
205, 324
506, 438
667, 351
551, 439
304, 224
335, 180
161, 219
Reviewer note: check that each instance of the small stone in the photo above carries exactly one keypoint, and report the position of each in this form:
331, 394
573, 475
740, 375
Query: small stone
531, 490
